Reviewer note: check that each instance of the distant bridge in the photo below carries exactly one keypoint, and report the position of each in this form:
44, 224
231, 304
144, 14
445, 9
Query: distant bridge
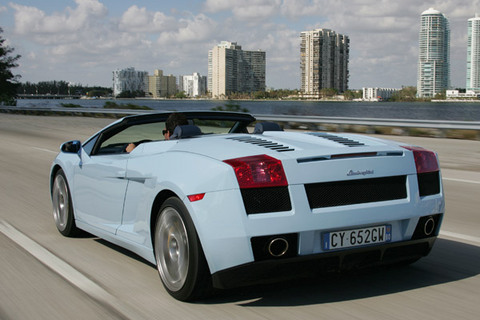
49, 96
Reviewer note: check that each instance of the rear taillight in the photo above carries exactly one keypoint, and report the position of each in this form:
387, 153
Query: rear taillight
258, 171
428, 172
425, 160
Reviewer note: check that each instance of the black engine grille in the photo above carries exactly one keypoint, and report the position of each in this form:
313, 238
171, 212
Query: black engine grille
262, 200
429, 183
341, 193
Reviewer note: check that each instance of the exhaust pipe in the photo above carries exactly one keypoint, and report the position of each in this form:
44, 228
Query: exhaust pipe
429, 226
277, 247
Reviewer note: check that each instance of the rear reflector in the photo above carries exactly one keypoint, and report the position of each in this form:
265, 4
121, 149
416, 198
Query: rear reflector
258, 172
196, 197
425, 160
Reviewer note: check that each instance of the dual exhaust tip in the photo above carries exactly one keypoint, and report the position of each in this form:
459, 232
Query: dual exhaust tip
283, 246
279, 246
429, 226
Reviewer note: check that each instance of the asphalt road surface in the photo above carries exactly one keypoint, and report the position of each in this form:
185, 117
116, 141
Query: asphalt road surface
44, 275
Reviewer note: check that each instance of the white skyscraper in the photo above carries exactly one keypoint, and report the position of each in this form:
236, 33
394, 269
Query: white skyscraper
434, 54
194, 85
473, 54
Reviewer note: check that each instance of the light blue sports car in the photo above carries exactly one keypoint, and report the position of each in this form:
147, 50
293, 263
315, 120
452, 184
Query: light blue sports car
224, 202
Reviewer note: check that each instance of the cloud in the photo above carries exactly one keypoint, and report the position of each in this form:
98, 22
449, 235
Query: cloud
214, 6
86, 41
30, 20
137, 19
74, 42
194, 29
245, 10
295, 9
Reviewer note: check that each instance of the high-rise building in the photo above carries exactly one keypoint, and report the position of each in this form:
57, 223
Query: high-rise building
324, 58
473, 54
160, 86
129, 80
231, 69
193, 85
434, 54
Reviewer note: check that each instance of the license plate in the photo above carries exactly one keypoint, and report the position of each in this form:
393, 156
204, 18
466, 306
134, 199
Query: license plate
357, 237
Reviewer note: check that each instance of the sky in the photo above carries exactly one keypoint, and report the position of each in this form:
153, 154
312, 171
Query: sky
84, 41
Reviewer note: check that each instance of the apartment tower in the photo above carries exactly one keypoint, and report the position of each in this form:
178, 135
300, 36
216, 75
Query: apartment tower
194, 85
231, 69
324, 58
473, 54
161, 86
434, 54
129, 79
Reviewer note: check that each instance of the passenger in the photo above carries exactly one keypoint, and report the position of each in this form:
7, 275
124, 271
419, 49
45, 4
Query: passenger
175, 119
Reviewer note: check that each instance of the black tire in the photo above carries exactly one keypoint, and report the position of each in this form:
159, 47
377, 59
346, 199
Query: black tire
62, 206
181, 263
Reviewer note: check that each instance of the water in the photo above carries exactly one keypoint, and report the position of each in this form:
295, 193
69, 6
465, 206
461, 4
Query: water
387, 110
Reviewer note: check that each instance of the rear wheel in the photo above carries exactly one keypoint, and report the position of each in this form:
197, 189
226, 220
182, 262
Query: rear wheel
178, 253
62, 206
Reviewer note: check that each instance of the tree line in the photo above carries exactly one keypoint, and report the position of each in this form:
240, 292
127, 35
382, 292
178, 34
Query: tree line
62, 88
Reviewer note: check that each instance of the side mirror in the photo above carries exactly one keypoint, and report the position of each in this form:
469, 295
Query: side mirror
71, 146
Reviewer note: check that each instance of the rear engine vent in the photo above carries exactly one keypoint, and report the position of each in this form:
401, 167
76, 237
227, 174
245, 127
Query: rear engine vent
263, 200
263, 143
342, 140
342, 193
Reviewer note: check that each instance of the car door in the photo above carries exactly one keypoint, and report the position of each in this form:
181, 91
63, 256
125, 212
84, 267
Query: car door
100, 178
100, 187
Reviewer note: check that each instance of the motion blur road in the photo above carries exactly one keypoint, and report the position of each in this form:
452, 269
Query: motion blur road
44, 275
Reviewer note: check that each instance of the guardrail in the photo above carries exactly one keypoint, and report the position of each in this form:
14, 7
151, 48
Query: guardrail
469, 130
407, 123
435, 128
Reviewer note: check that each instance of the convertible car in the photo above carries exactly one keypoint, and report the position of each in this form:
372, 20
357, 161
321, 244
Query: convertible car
232, 201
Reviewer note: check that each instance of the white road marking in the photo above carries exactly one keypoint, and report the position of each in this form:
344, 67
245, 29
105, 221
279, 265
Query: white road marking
69, 273
461, 237
45, 150
462, 180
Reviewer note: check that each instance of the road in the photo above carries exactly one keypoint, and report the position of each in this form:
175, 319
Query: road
47, 276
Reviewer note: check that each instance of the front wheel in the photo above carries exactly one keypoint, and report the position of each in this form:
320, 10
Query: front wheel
178, 253
62, 206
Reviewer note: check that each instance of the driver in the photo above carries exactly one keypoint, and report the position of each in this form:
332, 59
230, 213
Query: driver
175, 119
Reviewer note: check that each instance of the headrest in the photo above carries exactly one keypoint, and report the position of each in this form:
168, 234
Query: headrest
261, 127
185, 131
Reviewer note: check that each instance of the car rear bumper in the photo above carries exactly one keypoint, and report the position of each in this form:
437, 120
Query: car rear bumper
287, 268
